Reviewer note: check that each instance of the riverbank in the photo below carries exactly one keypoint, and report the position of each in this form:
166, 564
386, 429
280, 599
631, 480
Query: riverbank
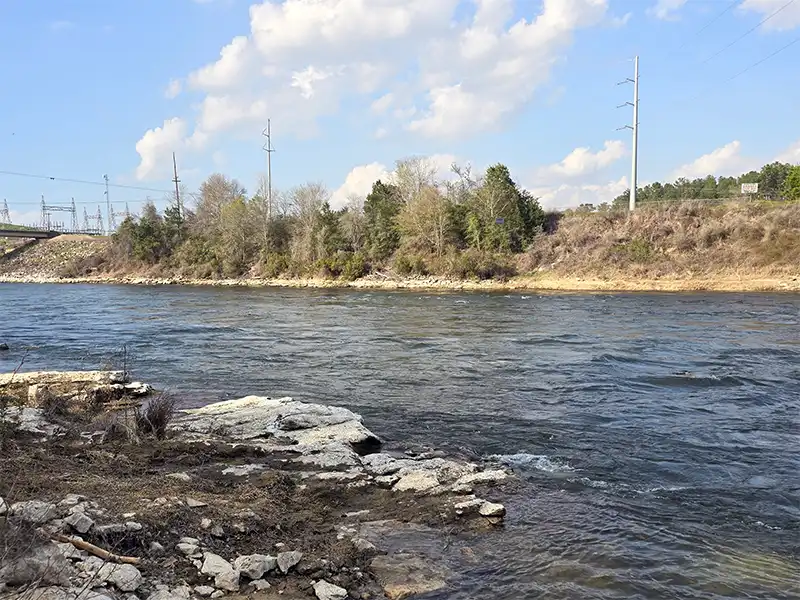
273, 497
542, 283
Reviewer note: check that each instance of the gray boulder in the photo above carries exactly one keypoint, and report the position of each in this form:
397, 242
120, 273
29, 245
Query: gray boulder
44, 564
253, 566
34, 511
286, 560
327, 591
126, 578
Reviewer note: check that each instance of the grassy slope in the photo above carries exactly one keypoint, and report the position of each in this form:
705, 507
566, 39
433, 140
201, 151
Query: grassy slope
686, 241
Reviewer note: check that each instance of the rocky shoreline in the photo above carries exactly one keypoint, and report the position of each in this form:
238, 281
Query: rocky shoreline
544, 282
267, 497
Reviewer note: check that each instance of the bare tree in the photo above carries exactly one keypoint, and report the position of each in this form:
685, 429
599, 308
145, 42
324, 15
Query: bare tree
354, 223
305, 203
424, 219
413, 174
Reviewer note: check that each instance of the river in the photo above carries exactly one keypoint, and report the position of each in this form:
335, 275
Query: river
657, 436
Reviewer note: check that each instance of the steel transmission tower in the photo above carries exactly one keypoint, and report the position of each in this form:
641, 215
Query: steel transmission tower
635, 129
5, 215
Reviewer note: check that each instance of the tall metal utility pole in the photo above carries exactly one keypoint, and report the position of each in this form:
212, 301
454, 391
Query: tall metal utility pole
108, 208
176, 181
635, 129
5, 214
269, 150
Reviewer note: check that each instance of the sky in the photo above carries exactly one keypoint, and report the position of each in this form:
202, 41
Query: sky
91, 88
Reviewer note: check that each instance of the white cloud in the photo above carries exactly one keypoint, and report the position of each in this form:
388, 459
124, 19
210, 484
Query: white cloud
667, 9
156, 145
788, 17
570, 196
359, 180
725, 160
582, 161
359, 183
446, 76
173, 88
791, 154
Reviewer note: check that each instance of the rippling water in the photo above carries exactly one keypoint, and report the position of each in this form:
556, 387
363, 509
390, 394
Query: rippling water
657, 435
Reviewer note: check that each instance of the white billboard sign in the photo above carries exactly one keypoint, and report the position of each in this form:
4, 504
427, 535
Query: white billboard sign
749, 188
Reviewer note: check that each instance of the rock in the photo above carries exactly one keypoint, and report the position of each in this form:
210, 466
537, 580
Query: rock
70, 551
189, 540
192, 503
217, 531
254, 566
71, 500
417, 481
213, 564
255, 417
184, 477
3, 507
260, 585
79, 522
491, 509
30, 420
403, 575
203, 590
156, 548
205, 523
3, 347
384, 464
133, 526
110, 529
227, 580
180, 593
286, 560
137, 388
363, 545
218, 594
493, 476
467, 507
126, 578
35, 512
187, 549
44, 564
327, 591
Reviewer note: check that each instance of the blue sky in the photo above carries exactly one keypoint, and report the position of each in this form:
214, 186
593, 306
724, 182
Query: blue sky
92, 87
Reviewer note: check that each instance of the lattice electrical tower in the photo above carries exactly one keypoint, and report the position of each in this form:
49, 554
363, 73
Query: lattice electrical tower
5, 215
47, 213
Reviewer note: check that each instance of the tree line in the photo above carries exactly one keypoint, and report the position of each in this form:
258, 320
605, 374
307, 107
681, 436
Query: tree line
467, 226
776, 181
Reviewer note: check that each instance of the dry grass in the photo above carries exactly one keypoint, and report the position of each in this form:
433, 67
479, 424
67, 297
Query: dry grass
689, 240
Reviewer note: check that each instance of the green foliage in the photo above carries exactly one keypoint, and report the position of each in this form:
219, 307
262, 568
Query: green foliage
771, 179
381, 208
792, 184
637, 250
410, 264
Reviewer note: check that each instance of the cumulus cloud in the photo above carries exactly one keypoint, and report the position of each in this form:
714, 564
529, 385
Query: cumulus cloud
158, 143
725, 160
429, 70
582, 161
667, 10
788, 18
359, 180
569, 196
791, 154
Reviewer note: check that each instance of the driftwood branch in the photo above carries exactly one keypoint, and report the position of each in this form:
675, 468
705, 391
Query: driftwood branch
96, 550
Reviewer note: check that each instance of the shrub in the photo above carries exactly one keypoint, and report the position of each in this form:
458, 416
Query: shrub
273, 265
154, 418
410, 264
355, 266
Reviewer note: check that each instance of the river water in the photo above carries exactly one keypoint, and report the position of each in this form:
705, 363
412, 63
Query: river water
657, 436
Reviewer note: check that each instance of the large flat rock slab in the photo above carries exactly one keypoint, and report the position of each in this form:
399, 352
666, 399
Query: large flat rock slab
255, 418
62, 378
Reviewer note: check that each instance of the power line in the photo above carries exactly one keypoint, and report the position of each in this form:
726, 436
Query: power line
749, 31
749, 68
716, 18
83, 181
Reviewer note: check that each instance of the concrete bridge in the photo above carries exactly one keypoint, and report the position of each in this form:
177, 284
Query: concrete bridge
35, 234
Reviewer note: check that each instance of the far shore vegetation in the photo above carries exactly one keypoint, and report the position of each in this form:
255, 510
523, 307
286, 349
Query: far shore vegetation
470, 226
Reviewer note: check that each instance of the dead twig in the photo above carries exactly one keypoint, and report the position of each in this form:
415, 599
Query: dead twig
96, 550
